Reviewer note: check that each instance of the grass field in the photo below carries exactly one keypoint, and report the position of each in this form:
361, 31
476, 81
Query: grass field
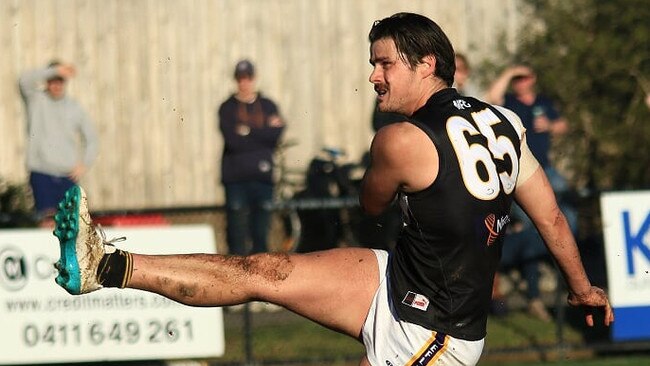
517, 339
282, 338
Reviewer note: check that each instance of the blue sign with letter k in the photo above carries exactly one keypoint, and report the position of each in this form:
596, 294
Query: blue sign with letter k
635, 240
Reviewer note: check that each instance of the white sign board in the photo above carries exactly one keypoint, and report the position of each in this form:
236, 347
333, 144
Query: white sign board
626, 225
42, 323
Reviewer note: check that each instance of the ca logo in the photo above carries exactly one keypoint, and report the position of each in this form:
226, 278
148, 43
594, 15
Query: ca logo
13, 271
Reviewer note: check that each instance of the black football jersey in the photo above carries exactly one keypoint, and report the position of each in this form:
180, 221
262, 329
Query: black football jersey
442, 269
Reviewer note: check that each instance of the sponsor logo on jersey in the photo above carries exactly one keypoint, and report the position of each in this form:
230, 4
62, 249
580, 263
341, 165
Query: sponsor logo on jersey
461, 104
416, 301
495, 227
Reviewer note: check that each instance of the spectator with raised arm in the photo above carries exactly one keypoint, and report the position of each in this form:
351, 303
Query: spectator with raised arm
516, 89
62, 141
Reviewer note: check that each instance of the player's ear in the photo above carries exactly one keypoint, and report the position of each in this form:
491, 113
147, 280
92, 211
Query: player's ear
427, 66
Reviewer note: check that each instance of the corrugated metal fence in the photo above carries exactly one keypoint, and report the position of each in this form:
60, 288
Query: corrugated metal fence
151, 73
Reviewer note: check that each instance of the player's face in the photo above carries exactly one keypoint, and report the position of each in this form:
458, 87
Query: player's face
393, 79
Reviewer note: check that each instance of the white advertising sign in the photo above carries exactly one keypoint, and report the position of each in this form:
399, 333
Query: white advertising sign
42, 323
626, 225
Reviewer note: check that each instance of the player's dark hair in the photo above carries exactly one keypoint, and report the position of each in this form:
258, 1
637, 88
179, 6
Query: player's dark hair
416, 37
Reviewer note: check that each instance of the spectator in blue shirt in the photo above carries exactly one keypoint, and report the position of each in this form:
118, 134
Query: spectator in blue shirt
516, 89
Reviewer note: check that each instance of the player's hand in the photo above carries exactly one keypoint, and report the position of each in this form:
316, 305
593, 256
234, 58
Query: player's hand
594, 298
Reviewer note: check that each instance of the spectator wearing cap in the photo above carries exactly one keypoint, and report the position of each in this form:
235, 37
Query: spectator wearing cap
61, 139
251, 127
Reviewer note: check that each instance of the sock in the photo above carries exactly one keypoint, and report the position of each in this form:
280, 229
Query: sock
115, 269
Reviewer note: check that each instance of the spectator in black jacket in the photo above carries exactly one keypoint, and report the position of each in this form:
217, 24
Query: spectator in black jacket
251, 127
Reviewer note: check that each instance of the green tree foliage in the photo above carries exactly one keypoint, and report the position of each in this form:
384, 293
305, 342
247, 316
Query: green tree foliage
593, 57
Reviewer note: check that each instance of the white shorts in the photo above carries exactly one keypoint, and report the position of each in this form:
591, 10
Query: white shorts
392, 342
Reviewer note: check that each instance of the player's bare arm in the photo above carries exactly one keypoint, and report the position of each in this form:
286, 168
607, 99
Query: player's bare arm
402, 158
536, 197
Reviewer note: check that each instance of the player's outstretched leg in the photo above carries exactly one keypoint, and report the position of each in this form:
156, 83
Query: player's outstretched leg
83, 249
313, 285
